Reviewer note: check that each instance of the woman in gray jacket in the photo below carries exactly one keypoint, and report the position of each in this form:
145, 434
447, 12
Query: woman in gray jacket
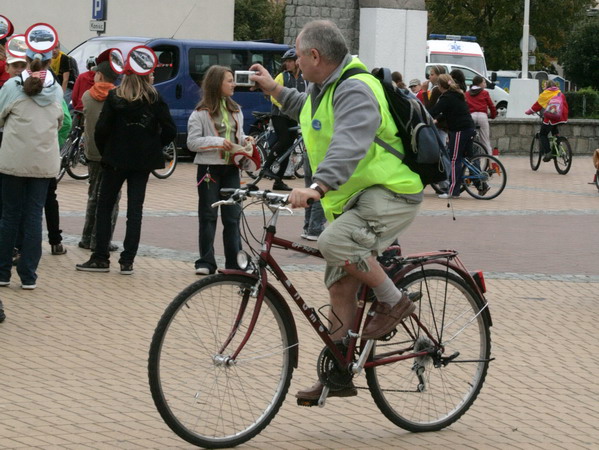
213, 128
31, 113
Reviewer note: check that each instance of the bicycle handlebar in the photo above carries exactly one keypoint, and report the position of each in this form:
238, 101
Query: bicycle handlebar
238, 195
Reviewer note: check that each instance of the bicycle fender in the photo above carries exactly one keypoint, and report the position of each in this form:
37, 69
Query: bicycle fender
457, 270
282, 303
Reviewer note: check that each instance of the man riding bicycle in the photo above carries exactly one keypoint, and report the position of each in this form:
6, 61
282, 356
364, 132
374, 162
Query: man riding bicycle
368, 195
551, 119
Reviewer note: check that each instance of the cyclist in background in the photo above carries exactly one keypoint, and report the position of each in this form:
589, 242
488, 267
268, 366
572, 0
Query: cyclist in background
291, 77
482, 108
550, 121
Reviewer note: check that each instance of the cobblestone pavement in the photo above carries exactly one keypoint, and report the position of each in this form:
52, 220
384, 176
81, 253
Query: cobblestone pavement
73, 352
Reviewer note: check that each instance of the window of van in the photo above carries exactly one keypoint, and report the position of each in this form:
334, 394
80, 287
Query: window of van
200, 60
168, 63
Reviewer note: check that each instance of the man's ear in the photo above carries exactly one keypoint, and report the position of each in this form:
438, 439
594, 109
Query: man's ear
314, 55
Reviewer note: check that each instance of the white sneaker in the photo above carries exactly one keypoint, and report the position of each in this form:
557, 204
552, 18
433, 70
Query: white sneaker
4, 283
309, 237
28, 287
202, 271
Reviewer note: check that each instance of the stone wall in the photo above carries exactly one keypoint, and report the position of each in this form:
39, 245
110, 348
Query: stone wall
514, 136
345, 13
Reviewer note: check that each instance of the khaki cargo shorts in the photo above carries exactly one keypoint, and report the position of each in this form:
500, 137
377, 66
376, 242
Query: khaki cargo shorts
371, 222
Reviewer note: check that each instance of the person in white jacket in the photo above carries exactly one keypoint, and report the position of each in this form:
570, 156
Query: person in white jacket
214, 128
31, 113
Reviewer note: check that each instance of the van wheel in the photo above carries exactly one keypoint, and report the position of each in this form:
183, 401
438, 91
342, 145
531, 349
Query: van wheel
501, 109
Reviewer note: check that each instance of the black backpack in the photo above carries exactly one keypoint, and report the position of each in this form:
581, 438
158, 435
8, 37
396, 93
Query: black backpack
424, 151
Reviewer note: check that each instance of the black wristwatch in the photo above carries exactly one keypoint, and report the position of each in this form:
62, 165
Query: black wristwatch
318, 189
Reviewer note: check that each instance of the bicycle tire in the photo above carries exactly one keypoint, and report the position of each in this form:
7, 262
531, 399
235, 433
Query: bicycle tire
170, 162
478, 149
64, 151
563, 158
297, 157
433, 402
200, 399
77, 161
535, 152
492, 181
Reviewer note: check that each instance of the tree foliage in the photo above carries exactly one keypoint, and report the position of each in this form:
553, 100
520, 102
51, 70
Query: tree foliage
497, 24
580, 56
259, 19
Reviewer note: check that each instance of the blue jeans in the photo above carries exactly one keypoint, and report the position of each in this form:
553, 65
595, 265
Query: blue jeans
208, 193
23, 200
314, 219
110, 188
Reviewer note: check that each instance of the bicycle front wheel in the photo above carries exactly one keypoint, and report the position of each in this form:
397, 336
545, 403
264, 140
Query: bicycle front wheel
425, 394
262, 146
563, 158
65, 151
484, 177
77, 162
205, 398
535, 152
170, 162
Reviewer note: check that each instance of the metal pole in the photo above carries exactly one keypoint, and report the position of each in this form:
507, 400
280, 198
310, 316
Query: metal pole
525, 37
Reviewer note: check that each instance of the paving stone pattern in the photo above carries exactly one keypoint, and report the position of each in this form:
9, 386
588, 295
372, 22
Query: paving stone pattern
73, 352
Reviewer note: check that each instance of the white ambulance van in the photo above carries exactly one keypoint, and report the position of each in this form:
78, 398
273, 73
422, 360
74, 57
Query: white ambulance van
460, 50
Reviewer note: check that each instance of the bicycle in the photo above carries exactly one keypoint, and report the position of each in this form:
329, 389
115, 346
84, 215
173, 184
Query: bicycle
484, 177
296, 155
223, 353
561, 152
72, 155
170, 162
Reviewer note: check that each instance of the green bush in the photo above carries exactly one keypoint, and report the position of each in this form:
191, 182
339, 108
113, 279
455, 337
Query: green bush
583, 103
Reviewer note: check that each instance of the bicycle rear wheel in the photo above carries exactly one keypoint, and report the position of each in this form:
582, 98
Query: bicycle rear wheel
204, 398
563, 158
425, 394
297, 157
535, 152
485, 177
77, 162
170, 162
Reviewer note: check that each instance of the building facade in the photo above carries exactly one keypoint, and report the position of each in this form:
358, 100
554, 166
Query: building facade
183, 19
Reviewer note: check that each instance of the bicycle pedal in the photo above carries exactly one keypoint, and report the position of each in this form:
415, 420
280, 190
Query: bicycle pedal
415, 296
307, 402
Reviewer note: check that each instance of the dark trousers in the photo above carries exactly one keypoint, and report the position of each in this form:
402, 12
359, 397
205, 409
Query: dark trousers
285, 138
52, 211
22, 206
208, 193
88, 235
460, 144
110, 187
544, 136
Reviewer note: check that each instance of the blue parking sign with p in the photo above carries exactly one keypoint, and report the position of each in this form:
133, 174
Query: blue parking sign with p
99, 9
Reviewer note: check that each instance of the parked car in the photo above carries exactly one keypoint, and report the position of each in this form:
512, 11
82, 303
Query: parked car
500, 97
182, 65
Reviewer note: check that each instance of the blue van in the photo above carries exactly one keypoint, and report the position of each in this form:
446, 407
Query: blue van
182, 65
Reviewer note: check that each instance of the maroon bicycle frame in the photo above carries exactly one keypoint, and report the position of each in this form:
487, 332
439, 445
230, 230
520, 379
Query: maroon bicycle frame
447, 258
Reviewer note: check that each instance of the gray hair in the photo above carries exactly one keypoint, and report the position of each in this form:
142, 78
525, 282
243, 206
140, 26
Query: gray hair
324, 36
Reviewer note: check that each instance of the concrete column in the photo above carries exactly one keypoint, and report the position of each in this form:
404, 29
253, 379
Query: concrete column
393, 34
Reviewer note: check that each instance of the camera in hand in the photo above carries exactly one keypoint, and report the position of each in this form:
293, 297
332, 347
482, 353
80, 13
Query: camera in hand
242, 78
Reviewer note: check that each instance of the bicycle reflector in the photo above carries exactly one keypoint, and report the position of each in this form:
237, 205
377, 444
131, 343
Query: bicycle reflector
479, 279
